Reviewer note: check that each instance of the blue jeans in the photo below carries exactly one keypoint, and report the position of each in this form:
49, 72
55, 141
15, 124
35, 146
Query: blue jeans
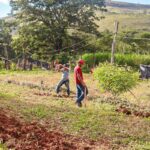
80, 93
61, 83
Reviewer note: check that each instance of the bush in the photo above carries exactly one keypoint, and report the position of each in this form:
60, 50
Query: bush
115, 79
13, 66
1, 65
132, 60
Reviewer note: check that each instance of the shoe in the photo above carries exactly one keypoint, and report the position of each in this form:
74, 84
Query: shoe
79, 104
58, 95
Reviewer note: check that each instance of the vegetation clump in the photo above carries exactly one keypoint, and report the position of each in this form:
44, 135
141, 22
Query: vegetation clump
132, 60
115, 79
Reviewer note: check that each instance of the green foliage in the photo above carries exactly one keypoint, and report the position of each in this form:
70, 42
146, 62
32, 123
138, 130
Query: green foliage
44, 24
132, 60
90, 58
5, 39
3, 147
1, 65
115, 79
134, 41
13, 66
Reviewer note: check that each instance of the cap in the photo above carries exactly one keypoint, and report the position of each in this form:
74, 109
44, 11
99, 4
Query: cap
81, 62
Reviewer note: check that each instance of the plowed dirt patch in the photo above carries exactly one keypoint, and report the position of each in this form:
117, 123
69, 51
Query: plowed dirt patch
19, 135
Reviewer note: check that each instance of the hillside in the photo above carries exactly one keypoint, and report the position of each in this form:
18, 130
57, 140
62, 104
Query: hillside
130, 16
127, 5
124, 7
126, 21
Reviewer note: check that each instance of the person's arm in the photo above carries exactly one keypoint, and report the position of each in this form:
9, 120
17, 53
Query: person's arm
81, 80
59, 67
66, 68
62, 69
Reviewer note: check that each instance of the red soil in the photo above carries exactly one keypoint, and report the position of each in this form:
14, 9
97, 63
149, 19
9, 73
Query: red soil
19, 135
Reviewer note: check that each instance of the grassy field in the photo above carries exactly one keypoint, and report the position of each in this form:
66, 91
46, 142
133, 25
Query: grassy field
98, 121
126, 22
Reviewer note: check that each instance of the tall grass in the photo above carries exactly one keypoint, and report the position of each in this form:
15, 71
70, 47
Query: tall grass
132, 60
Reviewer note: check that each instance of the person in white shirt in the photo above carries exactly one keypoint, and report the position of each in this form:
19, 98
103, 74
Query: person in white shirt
64, 80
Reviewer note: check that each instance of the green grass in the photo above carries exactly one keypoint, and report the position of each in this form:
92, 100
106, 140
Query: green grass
7, 96
143, 146
12, 72
97, 121
38, 111
3, 147
92, 122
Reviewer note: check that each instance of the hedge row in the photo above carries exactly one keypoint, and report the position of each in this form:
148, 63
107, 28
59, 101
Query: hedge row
132, 60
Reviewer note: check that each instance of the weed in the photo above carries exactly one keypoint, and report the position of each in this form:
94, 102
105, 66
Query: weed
37, 111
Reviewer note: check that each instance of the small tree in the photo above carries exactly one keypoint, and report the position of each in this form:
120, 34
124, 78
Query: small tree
115, 79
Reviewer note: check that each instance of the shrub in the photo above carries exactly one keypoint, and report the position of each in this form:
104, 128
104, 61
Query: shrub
1, 65
115, 79
13, 66
132, 60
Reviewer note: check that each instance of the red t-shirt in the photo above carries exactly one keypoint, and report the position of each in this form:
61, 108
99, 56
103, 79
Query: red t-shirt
77, 70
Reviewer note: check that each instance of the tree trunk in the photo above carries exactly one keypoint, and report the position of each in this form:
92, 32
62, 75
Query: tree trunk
24, 62
7, 63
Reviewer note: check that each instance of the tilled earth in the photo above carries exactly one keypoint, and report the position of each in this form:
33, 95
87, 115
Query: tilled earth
19, 135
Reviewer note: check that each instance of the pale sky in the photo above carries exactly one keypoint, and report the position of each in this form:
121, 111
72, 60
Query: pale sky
4, 1
5, 8
136, 1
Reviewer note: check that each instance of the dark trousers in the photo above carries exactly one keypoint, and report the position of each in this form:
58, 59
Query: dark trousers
81, 93
61, 83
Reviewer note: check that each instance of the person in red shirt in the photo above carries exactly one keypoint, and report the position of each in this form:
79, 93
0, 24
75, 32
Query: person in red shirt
80, 84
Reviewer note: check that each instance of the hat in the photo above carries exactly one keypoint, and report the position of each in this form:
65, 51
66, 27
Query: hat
81, 62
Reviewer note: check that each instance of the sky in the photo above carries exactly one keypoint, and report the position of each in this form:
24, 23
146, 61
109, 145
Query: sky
5, 8
136, 1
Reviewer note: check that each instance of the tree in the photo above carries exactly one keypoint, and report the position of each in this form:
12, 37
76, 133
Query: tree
49, 20
5, 41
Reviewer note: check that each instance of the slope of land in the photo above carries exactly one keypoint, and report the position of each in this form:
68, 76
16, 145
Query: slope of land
127, 7
126, 22
130, 16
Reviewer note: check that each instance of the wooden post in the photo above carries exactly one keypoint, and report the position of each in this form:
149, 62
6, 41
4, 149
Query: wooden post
114, 42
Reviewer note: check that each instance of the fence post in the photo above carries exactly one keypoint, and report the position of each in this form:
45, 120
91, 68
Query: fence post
116, 24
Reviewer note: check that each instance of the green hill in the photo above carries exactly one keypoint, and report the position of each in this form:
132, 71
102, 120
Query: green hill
126, 22
127, 6
130, 16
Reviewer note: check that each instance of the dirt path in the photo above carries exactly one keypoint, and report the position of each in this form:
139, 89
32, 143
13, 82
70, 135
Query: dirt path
19, 135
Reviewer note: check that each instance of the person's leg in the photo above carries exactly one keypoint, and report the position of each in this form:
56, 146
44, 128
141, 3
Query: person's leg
68, 87
61, 82
80, 93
